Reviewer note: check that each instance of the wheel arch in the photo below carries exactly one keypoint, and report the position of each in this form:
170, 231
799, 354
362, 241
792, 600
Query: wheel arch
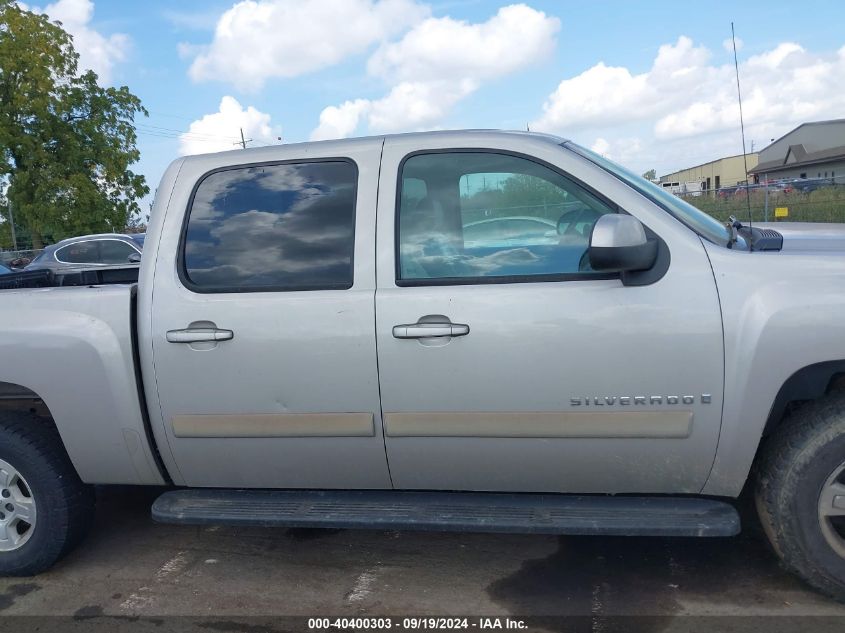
15, 397
806, 384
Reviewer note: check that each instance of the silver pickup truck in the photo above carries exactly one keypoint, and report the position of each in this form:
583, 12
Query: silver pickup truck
479, 331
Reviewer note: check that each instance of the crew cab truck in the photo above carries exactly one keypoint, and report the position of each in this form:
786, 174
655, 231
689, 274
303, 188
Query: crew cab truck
472, 330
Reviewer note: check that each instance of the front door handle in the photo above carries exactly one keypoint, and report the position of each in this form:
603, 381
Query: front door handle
199, 335
430, 330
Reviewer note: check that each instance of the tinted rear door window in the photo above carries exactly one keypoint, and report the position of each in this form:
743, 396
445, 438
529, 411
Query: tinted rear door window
272, 227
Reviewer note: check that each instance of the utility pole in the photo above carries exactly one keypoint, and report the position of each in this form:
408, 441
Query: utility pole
243, 140
12, 226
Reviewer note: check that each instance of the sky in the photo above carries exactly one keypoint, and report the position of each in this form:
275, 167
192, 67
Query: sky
648, 84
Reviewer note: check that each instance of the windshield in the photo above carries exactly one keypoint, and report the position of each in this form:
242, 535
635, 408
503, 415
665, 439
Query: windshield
703, 224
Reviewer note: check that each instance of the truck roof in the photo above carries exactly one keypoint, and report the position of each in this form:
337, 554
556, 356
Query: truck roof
456, 136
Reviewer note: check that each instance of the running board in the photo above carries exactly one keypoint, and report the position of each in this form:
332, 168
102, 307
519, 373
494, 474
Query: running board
450, 511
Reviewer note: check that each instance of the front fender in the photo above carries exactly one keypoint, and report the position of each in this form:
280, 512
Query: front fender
781, 312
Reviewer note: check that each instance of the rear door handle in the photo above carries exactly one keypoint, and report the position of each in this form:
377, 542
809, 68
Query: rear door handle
199, 335
430, 330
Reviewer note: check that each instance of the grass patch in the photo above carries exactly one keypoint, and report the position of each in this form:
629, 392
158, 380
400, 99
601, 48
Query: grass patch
822, 205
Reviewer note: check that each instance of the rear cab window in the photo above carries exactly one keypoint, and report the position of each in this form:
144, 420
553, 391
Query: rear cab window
272, 227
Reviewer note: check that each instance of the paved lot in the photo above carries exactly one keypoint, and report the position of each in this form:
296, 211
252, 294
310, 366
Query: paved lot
130, 567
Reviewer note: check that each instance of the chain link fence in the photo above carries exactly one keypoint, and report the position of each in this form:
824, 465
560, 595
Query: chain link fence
16, 260
796, 201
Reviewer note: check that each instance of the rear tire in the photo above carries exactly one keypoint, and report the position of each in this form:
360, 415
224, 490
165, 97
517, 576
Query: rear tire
801, 467
45, 509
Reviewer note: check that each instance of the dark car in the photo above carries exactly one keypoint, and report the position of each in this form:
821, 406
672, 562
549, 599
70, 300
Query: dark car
107, 249
4, 270
806, 185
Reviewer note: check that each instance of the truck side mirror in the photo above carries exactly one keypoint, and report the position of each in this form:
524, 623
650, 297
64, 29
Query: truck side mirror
618, 243
134, 258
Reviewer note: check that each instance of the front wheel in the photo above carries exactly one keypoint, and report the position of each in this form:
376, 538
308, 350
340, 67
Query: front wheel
45, 509
800, 493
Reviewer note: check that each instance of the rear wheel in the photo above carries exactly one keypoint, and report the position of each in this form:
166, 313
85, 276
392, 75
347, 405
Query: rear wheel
45, 509
800, 493
17, 509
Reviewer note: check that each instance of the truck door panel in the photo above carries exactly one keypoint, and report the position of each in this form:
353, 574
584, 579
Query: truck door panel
558, 379
262, 323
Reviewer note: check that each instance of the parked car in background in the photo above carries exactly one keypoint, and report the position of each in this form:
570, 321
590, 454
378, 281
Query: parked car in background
106, 249
511, 230
806, 185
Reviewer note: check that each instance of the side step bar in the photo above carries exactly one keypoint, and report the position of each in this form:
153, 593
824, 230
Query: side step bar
450, 511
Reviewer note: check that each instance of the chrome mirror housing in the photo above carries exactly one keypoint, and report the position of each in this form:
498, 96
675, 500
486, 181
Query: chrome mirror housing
618, 243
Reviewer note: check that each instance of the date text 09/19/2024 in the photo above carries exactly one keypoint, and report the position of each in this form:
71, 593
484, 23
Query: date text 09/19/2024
417, 623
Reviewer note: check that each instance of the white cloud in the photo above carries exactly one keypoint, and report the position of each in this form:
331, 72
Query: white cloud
417, 105
408, 106
607, 95
258, 40
687, 105
219, 131
340, 121
97, 52
600, 146
624, 150
444, 48
439, 62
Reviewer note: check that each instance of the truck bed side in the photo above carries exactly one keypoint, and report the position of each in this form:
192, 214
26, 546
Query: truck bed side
72, 347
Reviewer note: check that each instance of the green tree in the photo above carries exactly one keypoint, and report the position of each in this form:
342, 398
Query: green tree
524, 189
66, 143
650, 174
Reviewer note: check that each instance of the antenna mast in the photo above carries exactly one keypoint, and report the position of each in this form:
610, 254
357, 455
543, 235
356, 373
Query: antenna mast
741, 127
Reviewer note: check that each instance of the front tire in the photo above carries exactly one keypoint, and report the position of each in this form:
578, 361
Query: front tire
45, 509
800, 493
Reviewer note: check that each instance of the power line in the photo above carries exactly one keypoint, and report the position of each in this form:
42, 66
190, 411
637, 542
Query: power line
144, 133
159, 131
159, 128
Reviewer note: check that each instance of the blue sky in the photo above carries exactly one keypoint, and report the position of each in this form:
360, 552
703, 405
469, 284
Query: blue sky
591, 71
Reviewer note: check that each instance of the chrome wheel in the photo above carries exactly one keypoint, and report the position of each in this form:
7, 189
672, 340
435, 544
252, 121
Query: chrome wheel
832, 510
17, 509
